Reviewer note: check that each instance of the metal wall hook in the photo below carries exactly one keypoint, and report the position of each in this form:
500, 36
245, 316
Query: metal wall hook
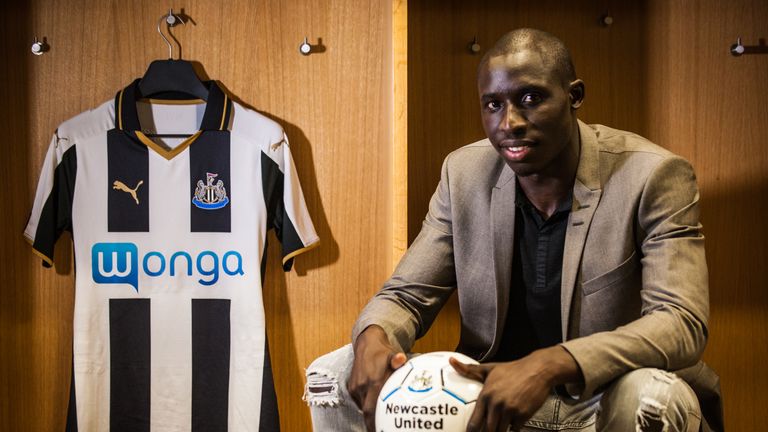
737, 49
170, 20
305, 48
39, 47
473, 46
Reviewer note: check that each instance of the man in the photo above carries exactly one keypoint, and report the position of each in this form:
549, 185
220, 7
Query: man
578, 259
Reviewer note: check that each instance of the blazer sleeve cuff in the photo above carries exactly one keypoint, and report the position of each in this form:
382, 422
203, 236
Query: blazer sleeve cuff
400, 336
583, 353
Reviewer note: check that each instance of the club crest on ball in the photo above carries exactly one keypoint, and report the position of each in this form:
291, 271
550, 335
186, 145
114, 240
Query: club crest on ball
421, 382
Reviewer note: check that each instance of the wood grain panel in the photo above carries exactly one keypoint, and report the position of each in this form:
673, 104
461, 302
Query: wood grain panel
35, 347
335, 106
663, 70
400, 128
711, 108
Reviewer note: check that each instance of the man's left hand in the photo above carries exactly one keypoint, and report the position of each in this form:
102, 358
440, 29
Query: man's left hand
513, 391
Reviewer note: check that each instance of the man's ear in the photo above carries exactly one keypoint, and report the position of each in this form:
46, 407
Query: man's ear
576, 93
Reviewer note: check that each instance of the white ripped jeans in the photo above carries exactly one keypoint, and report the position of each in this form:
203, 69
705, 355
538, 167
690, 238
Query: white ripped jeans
644, 400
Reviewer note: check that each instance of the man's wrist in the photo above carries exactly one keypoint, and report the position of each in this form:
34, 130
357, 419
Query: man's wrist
561, 368
371, 333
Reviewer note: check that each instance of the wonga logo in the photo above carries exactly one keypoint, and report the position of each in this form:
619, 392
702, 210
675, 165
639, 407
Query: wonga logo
118, 263
113, 263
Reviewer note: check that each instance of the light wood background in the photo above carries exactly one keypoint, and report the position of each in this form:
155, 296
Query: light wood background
334, 105
664, 70
712, 108
370, 120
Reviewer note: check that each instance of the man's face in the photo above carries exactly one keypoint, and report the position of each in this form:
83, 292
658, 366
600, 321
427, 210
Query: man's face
526, 111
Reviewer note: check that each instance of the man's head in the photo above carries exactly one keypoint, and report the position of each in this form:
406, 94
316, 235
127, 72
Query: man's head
529, 95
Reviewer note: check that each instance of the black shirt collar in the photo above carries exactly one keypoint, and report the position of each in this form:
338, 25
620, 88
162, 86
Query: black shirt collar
522, 201
217, 114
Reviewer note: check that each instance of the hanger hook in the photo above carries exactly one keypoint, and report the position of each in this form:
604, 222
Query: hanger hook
170, 20
737, 49
474, 46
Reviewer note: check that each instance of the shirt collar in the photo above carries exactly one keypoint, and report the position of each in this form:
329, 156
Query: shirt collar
218, 109
523, 202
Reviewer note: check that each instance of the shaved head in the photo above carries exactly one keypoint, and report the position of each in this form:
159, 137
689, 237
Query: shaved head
552, 51
529, 95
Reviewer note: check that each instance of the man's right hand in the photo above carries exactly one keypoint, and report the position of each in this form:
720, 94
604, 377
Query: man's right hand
375, 360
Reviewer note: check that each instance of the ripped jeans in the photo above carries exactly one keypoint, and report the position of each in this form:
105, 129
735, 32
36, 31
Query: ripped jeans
644, 400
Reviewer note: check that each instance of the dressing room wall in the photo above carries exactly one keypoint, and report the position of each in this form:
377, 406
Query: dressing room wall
333, 104
370, 114
662, 69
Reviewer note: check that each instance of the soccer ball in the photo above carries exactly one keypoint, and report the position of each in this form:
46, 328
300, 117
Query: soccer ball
426, 393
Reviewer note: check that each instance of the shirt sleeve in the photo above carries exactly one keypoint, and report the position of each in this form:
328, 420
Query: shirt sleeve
52, 208
286, 207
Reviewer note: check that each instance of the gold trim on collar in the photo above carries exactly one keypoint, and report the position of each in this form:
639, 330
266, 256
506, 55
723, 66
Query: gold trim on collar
120, 110
167, 154
172, 101
224, 112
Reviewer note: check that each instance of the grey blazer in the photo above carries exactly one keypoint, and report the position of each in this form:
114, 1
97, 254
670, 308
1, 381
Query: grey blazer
634, 280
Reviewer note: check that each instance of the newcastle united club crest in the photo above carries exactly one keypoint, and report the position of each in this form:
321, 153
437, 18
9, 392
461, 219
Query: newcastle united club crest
421, 382
209, 196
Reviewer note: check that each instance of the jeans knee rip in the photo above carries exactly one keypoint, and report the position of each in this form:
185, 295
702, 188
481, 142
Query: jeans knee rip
322, 389
651, 414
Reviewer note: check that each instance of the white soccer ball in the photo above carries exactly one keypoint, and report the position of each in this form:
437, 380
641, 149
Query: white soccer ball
426, 394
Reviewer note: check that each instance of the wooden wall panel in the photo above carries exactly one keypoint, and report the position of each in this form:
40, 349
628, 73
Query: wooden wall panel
663, 70
712, 108
399, 128
335, 106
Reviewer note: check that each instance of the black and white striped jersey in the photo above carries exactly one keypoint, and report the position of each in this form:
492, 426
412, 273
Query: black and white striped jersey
169, 205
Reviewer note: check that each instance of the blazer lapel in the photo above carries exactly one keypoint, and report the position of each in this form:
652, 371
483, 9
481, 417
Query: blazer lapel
503, 228
587, 190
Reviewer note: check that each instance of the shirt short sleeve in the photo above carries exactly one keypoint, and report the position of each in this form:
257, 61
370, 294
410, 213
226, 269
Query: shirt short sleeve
286, 207
52, 208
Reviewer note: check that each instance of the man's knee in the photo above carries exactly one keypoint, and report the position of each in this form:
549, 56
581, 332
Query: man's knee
327, 378
651, 400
